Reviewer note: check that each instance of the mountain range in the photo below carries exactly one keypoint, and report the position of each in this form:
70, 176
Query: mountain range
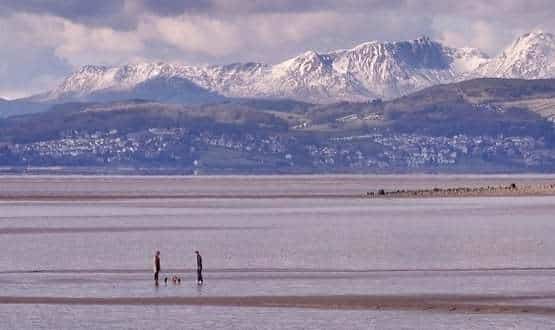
372, 70
380, 107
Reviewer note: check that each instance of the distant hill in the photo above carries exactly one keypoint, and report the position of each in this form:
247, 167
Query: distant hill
480, 125
485, 90
503, 95
492, 106
17, 107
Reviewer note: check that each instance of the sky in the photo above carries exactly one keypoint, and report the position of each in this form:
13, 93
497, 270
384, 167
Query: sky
45, 40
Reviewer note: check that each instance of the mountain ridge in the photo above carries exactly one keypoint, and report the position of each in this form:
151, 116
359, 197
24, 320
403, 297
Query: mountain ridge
531, 56
371, 70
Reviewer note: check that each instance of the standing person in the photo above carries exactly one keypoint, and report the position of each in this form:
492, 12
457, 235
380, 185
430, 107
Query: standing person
156, 267
199, 268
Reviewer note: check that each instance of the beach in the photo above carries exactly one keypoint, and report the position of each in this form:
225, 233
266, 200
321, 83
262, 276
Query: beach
278, 246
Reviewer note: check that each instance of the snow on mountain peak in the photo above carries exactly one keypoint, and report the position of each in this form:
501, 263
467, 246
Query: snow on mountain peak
537, 34
369, 70
531, 56
372, 69
531, 43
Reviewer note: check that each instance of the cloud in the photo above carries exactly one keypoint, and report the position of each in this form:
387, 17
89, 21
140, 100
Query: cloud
193, 34
176, 8
66, 8
29, 65
111, 13
35, 71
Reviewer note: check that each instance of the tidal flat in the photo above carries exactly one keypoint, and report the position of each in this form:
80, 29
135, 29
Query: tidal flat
274, 259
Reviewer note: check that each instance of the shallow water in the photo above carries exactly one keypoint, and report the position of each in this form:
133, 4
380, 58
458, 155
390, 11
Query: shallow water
269, 246
190, 317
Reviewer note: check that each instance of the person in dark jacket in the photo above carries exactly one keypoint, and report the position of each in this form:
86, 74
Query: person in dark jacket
199, 268
156, 266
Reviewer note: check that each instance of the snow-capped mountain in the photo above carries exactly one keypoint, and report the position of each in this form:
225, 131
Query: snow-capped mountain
532, 56
392, 69
152, 81
370, 70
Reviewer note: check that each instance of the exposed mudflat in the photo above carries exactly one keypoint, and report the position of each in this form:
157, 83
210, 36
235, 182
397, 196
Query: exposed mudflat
431, 252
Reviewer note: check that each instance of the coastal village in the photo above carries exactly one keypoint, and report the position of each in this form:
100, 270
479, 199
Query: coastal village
188, 150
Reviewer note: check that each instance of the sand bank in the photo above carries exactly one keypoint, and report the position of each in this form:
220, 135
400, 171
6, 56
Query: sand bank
514, 190
486, 304
113, 229
511, 189
485, 191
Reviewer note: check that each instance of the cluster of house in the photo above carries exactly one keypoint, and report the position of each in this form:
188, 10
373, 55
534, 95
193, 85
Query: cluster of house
363, 151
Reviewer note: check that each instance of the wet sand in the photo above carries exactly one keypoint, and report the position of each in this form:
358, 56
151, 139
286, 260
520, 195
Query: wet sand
455, 192
480, 191
479, 304
113, 229
451, 289
108, 188
308, 272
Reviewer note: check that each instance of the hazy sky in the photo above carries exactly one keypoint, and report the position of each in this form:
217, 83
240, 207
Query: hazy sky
44, 40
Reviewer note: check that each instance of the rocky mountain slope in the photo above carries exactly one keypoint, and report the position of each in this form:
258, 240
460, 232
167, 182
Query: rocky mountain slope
372, 70
532, 56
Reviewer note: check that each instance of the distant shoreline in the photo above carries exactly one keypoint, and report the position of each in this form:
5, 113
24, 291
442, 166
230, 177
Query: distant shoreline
180, 172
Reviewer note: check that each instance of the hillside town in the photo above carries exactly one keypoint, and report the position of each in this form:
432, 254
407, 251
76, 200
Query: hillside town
197, 151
